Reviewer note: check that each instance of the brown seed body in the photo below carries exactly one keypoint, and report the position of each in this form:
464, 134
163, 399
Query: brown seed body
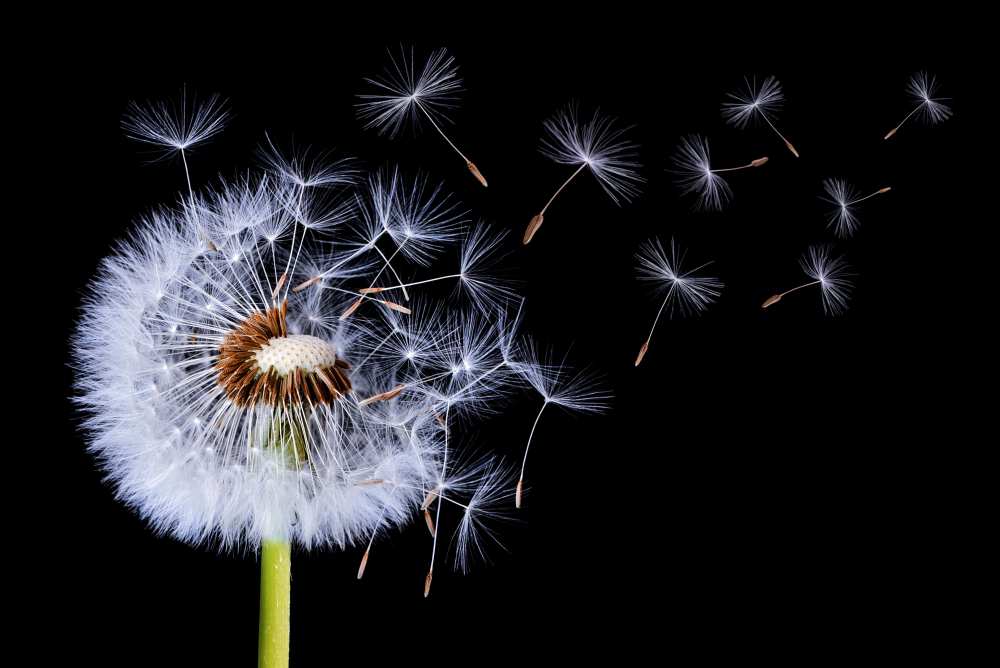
475, 172
773, 299
533, 226
642, 353
247, 385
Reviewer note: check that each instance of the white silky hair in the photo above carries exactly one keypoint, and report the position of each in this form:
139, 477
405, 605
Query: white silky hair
841, 195
833, 275
405, 88
202, 468
757, 99
601, 143
578, 391
686, 291
923, 88
692, 170
175, 127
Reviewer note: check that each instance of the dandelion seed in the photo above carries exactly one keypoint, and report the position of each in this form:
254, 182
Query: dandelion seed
177, 128
930, 108
842, 218
686, 292
405, 93
763, 101
600, 145
831, 274
693, 173
557, 385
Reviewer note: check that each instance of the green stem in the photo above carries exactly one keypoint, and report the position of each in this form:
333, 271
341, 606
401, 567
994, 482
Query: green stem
275, 604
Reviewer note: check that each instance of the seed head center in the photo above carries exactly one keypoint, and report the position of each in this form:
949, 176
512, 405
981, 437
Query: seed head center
284, 354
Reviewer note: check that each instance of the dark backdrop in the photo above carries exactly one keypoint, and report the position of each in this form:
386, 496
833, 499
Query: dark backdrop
755, 487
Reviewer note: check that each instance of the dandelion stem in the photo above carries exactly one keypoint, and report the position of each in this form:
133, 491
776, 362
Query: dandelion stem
566, 183
468, 163
275, 603
896, 129
374, 290
187, 176
754, 163
787, 143
774, 299
524, 462
392, 269
437, 518
862, 199
645, 346
539, 218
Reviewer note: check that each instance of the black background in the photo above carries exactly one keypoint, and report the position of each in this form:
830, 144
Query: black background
756, 489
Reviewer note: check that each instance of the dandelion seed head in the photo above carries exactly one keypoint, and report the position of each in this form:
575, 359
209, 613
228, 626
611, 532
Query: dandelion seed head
224, 405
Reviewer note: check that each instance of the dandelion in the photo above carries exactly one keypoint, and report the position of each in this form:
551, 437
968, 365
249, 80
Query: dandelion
842, 218
686, 293
930, 108
693, 172
229, 404
599, 144
832, 275
578, 392
405, 93
756, 101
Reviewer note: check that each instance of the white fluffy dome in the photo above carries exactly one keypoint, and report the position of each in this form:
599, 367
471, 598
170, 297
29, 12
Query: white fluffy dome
224, 390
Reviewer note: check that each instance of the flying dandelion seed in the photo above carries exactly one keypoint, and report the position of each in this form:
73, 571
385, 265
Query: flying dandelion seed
763, 101
578, 392
842, 218
832, 275
405, 93
176, 128
693, 173
599, 144
930, 108
686, 293
230, 403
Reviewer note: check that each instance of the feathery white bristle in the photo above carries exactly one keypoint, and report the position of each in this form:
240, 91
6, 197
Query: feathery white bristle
685, 290
761, 100
599, 143
833, 275
692, 168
